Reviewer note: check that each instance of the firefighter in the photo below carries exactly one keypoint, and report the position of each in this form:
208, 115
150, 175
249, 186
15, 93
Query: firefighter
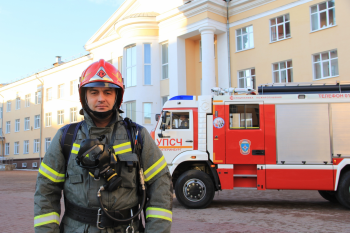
184, 124
101, 94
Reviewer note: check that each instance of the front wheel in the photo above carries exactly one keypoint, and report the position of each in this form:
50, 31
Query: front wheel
194, 189
343, 193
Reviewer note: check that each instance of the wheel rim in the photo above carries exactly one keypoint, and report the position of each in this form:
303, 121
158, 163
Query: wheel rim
194, 190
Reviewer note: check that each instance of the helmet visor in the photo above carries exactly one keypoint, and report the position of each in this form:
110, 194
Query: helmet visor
101, 84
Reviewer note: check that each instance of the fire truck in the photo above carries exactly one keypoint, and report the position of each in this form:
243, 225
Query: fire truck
287, 137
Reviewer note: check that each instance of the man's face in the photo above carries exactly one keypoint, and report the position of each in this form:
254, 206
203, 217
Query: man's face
100, 99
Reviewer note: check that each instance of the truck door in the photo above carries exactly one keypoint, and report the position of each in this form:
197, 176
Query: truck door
178, 136
245, 142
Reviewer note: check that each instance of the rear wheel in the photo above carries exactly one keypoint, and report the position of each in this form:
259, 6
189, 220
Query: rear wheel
329, 196
194, 189
343, 193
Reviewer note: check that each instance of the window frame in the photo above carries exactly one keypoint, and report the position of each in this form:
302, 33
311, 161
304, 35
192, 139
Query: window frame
27, 100
129, 80
16, 148
17, 123
37, 121
26, 123
241, 35
18, 102
71, 112
49, 94
8, 127
145, 64
318, 12
131, 113
73, 84
284, 28
321, 64
26, 147
48, 119
144, 112
245, 116
280, 70
7, 148
60, 115
36, 148
8, 106
251, 76
60, 91
161, 60
38, 97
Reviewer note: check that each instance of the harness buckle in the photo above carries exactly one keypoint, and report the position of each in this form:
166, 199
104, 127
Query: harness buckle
99, 220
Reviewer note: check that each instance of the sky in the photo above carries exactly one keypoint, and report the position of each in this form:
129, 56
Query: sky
34, 32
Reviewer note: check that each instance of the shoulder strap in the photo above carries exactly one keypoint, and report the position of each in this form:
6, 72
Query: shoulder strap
128, 126
68, 138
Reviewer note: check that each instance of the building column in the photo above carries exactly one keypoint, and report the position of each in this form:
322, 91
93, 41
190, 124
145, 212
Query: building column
208, 59
177, 66
222, 56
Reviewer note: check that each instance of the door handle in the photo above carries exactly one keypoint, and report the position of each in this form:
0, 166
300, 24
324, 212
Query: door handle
189, 141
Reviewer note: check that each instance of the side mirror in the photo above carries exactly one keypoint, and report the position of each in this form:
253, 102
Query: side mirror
164, 117
157, 117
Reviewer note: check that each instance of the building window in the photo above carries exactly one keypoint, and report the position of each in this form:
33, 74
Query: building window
130, 66
165, 59
24, 164
26, 123
164, 99
244, 116
18, 103
60, 117
8, 126
0, 131
35, 164
322, 15
325, 64
38, 97
27, 101
8, 107
0, 112
16, 151
47, 143
49, 94
36, 121
245, 38
73, 87
26, 147
147, 64
73, 115
60, 91
120, 66
280, 28
15, 164
130, 110
17, 125
147, 113
36, 145
246, 78
7, 148
48, 119
283, 72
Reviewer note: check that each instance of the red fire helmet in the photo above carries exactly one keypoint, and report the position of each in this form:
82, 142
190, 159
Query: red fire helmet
101, 74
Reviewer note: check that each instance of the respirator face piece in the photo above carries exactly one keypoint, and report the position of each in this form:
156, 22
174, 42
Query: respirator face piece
100, 161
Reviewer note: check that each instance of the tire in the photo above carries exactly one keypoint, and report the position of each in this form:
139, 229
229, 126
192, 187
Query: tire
329, 196
343, 193
194, 189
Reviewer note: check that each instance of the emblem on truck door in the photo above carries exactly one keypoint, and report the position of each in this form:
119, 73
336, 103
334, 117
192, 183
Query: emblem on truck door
219, 123
244, 146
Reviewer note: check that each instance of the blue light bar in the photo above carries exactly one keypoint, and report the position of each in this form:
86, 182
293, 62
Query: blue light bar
182, 97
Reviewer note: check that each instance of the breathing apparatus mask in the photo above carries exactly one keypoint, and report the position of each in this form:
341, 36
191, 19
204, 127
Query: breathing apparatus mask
99, 159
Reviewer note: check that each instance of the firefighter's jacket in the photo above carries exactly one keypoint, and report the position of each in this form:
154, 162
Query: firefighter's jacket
80, 188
